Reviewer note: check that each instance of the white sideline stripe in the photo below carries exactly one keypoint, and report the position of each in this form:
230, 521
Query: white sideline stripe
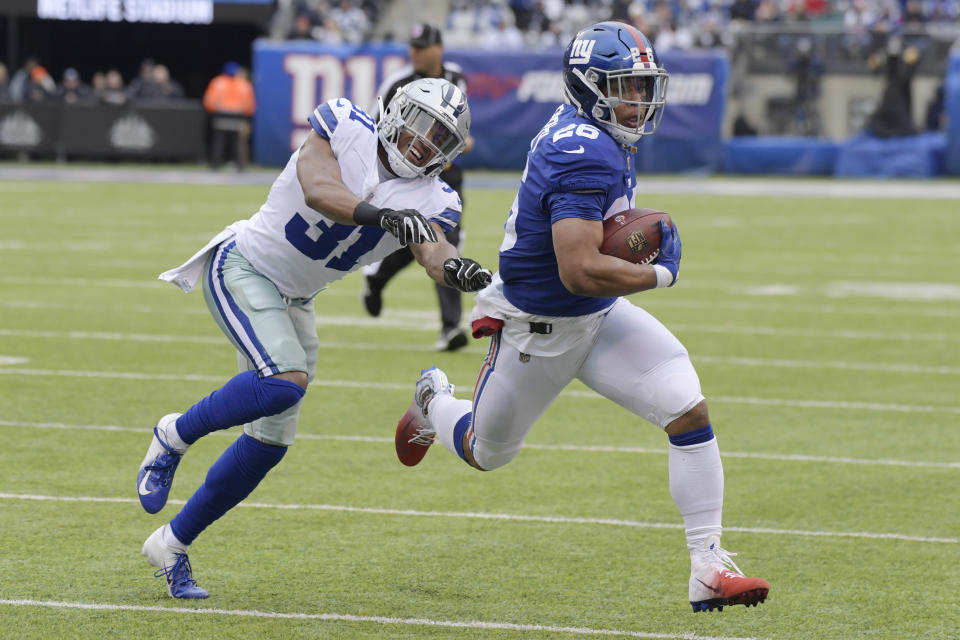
542, 447
346, 617
405, 386
373, 346
501, 516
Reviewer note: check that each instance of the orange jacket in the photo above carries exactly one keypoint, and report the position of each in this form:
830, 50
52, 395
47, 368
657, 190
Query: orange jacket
230, 94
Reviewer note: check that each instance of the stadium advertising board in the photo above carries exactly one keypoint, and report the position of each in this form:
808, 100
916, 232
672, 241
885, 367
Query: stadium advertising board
511, 94
166, 131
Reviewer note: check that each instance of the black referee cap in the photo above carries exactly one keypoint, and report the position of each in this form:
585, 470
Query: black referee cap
424, 34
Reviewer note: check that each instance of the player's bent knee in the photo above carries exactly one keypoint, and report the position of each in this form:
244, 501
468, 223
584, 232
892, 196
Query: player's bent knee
696, 418
299, 378
488, 458
276, 394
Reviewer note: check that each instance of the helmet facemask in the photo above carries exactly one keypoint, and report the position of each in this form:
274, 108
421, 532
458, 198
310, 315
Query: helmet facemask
418, 142
644, 88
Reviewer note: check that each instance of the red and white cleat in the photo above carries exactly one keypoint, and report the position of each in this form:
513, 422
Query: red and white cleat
414, 433
715, 581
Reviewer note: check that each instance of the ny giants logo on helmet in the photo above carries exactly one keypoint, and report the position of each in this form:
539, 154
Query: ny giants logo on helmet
581, 51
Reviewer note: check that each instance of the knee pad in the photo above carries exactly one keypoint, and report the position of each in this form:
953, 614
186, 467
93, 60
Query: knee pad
275, 395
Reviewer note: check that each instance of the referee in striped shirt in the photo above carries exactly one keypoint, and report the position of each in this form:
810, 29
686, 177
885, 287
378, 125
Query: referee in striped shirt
426, 61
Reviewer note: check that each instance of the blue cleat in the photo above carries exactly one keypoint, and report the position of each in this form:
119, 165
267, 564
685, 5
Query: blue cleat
156, 471
174, 565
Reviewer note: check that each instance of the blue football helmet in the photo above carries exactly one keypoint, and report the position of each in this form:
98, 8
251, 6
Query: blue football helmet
609, 64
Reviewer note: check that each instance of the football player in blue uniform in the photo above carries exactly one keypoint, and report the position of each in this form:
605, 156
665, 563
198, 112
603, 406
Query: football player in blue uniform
555, 309
354, 192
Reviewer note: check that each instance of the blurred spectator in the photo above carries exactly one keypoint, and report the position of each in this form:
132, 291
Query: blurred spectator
72, 89
893, 116
4, 84
159, 86
807, 69
673, 37
303, 26
522, 13
143, 86
935, 118
32, 83
112, 91
351, 21
743, 10
620, 10
767, 11
503, 36
230, 102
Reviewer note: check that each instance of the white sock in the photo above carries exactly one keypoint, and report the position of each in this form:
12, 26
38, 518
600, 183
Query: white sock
172, 541
172, 437
444, 413
696, 484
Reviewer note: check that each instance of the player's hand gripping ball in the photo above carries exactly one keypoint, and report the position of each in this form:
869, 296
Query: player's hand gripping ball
634, 235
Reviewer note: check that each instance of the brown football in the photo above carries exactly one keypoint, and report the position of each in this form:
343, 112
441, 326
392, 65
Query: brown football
633, 235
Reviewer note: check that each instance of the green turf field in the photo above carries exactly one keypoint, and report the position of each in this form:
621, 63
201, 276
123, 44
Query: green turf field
827, 336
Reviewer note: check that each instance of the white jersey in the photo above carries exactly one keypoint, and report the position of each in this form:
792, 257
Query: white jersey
302, 250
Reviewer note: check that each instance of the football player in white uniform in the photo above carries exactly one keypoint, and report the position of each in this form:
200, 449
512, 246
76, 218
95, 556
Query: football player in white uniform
555, 310
354, 192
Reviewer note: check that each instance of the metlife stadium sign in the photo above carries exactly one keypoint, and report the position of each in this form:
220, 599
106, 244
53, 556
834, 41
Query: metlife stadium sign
155, 11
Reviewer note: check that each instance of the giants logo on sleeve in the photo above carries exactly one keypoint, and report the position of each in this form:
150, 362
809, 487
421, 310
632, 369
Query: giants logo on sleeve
581, 50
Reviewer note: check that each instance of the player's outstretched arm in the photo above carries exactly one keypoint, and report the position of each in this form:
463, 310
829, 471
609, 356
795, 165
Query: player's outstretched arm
319, 174
585, 271
443, 263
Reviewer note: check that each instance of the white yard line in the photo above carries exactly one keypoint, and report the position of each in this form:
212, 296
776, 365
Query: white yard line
414, 323
880, 462
345, 617
507, 517
405, 386
17, 178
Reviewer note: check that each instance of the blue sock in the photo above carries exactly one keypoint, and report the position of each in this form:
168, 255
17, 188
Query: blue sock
231, 479
703, 434
245, 398
458, 430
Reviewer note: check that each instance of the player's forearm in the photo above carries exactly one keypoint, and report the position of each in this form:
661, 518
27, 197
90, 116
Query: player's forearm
432, 256
606, 277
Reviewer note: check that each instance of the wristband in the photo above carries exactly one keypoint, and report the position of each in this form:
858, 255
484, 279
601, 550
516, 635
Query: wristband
664, 277
366, 214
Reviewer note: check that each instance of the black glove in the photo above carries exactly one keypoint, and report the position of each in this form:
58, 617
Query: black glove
406, 225
465, 274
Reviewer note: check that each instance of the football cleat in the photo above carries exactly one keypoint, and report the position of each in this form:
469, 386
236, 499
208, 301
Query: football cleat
715, 581
156, 471
432, 381
451, 340
371, 296
174, 565
414, 434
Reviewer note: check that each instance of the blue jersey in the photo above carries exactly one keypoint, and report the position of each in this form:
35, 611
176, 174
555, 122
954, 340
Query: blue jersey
569, 156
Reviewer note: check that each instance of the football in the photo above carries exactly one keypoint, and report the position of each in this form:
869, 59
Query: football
633, 235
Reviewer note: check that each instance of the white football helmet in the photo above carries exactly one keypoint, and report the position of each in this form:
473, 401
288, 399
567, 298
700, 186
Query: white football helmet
435, 113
